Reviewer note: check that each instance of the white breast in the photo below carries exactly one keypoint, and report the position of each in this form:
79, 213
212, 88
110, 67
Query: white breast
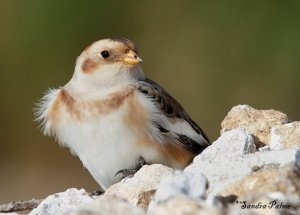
104, 142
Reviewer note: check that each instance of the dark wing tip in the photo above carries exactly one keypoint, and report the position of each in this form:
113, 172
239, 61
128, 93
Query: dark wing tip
191, 144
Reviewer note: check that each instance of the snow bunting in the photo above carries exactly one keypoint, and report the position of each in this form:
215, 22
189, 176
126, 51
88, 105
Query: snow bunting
112, 117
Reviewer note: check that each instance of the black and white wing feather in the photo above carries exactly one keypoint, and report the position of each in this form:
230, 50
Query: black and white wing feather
174, 123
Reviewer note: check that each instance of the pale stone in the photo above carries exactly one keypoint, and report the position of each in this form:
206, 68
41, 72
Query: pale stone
217, 162
284, 179
61, 203
285, 136
104, 205
146, 179
224, 163
190, 184
256, 122
183, 205
235, 142
145, 198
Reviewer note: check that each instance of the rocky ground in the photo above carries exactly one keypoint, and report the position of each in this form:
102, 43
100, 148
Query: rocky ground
252, 168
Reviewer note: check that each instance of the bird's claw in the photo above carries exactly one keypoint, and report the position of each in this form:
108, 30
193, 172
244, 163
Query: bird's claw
128, 173
97, 192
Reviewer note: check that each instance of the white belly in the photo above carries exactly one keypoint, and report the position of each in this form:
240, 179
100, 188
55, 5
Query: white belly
104, 144
107, 139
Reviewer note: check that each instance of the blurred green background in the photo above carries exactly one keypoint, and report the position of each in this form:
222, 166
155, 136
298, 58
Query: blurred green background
211, 55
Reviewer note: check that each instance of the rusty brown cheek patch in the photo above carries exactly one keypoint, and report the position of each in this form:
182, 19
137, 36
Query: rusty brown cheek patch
89, 65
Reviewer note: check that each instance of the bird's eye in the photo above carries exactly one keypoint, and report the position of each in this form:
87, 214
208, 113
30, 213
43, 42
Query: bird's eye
105, 54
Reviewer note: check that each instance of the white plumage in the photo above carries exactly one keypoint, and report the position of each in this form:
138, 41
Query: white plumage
110, 115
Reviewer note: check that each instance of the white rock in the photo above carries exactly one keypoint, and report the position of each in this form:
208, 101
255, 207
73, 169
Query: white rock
183, 205
234, 142
190, 184
226, 161
146, 179
285, 179
111, 205
258, 123
275, 142
285, 136
61, 203
264, 148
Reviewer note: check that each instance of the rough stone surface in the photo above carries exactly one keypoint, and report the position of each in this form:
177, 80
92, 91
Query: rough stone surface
182, 205
285, 136
256, 122
146, 179
224, 163
191, 184
104, 205
145, 198
236, 142
61, 203
285, 179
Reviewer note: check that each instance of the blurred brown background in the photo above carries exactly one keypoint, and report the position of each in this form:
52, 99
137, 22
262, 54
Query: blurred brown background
210, 55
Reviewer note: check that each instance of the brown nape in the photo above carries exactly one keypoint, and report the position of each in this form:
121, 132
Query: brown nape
89, 65
128, 43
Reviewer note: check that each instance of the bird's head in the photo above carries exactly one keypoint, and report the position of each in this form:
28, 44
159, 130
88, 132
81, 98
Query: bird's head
109, 62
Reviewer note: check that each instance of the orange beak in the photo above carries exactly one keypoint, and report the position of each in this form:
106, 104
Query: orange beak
132, 58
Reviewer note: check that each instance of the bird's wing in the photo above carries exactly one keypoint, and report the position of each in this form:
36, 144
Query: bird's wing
174, 122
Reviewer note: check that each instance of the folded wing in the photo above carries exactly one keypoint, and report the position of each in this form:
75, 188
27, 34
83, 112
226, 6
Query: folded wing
174, 124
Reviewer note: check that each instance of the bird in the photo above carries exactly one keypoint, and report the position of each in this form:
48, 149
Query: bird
115, 119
